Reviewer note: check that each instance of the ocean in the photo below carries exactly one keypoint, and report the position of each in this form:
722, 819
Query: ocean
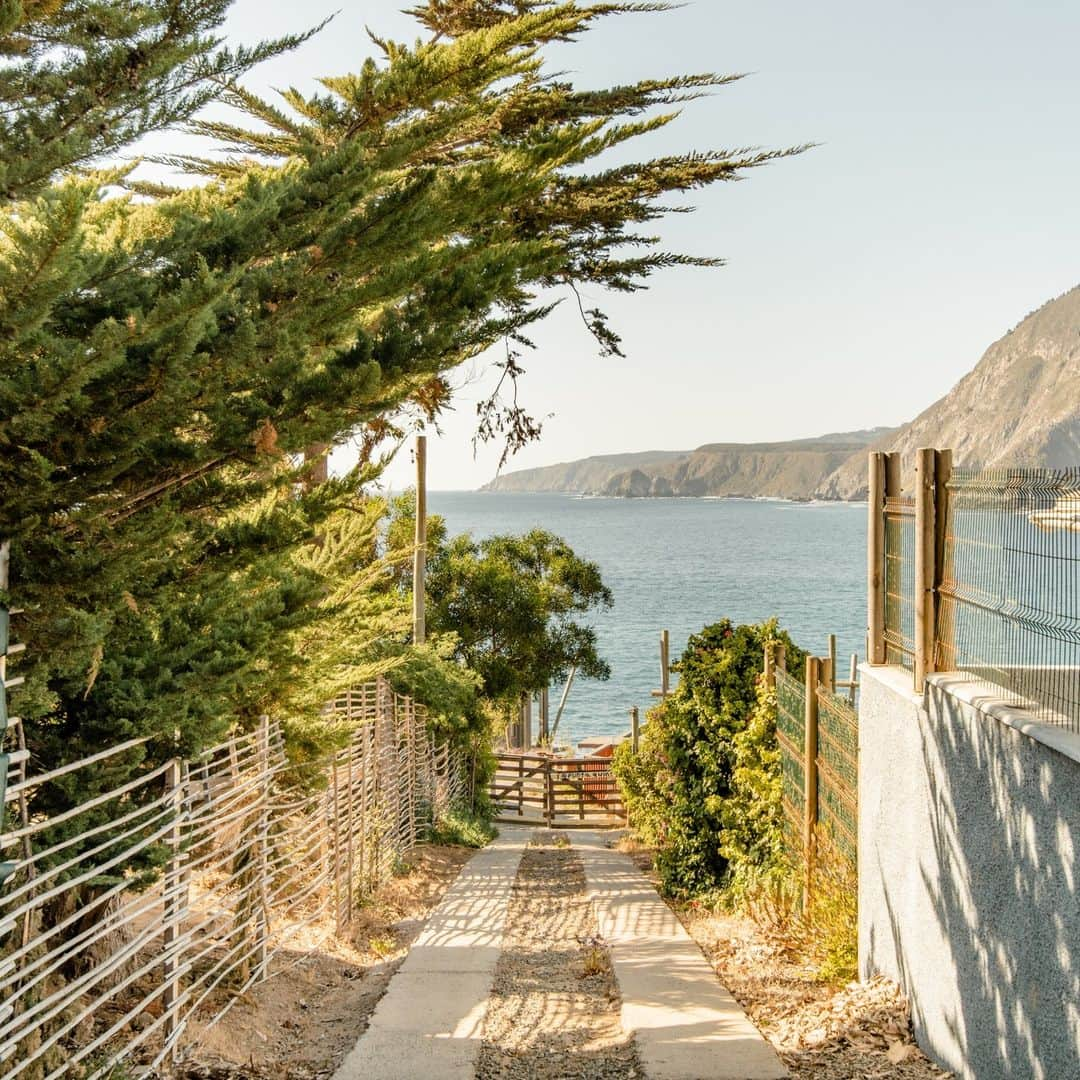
681, 564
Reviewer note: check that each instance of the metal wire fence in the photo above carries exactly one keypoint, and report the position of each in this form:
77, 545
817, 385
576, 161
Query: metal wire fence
147, 905
1009, 600
900, 580
791, 737
830, 758
838, 770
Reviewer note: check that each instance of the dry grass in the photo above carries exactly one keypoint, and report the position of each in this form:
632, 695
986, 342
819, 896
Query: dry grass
822, 1030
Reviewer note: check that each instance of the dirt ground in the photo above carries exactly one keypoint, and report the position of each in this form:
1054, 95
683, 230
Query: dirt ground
554, 1009
301, 1022
861, 1031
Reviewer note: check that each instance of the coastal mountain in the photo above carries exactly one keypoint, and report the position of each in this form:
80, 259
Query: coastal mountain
1019, 406
789, 470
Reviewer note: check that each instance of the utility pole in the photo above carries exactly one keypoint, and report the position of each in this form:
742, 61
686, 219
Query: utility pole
420, 552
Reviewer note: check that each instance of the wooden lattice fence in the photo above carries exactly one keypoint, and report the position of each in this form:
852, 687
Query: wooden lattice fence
133, 911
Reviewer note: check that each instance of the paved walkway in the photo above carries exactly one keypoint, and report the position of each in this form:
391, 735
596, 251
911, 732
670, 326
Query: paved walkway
686, 1025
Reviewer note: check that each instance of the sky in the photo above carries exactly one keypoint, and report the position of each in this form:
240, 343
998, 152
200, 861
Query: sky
863, 278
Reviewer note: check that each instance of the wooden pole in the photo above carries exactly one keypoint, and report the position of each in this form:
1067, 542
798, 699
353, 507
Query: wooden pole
549, 795
925, 570
853, 678
175, 905
562, 703
263, 850
545, 717
665, 663
875, 559
420, 552
635, 729
810, 770
944, 618
832, 663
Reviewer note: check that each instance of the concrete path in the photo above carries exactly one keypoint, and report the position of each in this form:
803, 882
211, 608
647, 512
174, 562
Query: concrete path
687, 1026
428, 1023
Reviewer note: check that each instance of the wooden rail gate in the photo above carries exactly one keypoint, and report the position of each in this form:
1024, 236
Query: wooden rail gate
560, 793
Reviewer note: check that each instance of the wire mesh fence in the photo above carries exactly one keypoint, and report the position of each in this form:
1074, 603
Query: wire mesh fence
1009, 601
791, 738
134, 911
838, 770
827, 762
900, 580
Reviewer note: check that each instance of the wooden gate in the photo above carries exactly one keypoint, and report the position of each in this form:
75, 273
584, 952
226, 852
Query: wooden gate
560, 793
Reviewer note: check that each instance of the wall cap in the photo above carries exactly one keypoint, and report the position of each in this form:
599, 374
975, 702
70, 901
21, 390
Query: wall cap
979, 695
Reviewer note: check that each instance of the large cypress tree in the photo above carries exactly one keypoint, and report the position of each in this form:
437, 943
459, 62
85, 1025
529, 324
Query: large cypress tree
167, 354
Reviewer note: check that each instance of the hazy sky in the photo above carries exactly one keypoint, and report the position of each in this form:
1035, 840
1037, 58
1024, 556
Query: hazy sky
863, 278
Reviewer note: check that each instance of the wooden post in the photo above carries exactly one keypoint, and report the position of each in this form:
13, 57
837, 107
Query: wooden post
853, 678
545, 709
875, 560
549, 795
175, 903
350, 865
262, 852
925, 570
635, 729
562, 703
665, 663
770, 667
335, 848
521, 786
832, 663
944, 618
420, 552
526, 723
810, 772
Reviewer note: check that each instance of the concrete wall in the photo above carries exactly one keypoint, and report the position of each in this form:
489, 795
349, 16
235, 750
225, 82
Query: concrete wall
969, 871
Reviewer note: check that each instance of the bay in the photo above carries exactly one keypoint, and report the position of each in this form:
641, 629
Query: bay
682, 564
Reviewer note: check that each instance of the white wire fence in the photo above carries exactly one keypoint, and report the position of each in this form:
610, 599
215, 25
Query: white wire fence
166, 897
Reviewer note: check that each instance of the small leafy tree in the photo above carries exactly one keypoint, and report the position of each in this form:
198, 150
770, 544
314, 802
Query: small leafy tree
514, 604
705, 760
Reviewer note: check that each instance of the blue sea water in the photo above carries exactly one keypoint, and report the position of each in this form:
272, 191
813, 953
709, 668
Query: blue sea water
681, 564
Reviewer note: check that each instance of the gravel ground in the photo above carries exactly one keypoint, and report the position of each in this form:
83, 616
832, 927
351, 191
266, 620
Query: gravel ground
554, 1009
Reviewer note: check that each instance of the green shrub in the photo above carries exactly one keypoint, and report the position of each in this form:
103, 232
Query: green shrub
703, 790
460, 827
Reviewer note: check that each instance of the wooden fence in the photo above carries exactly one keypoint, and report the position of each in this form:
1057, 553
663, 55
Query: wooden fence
148, 904
817, 731
561, 793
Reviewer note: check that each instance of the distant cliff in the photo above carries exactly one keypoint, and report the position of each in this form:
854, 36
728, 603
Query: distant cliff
789, 470
1019, 406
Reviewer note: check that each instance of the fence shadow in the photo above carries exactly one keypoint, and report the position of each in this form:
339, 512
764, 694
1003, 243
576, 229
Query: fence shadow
1002, 883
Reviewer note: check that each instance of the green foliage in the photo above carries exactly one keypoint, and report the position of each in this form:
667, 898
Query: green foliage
513, 604
705, 757
169, 354
460, 827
